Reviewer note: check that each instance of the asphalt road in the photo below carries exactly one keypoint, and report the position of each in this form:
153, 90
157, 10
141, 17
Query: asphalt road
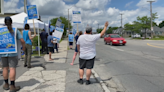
136, 67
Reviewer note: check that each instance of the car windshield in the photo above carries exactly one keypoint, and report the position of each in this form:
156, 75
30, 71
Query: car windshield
115, 36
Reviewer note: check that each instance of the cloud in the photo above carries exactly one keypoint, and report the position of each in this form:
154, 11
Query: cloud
128, 4
93, 11
10, 6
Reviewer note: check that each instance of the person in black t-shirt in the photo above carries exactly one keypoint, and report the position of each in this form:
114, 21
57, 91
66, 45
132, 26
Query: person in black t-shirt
43, 37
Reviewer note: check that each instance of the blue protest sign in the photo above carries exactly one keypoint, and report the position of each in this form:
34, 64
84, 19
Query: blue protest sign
70, 37
76, 17
7, 41
32, 12
58, 33
52, 28
25, 21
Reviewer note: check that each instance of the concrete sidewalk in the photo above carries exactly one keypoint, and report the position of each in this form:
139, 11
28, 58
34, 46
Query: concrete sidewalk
57, 75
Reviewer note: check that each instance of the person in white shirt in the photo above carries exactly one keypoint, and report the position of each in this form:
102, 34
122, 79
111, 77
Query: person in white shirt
87, 50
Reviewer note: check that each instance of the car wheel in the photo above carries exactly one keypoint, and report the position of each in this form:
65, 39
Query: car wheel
111, 43
105, 42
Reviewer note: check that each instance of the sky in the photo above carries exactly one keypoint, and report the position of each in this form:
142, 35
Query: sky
93, 12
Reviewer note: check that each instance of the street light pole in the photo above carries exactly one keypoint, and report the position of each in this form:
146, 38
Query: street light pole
25, 4
121, 19
68, 19
151, 13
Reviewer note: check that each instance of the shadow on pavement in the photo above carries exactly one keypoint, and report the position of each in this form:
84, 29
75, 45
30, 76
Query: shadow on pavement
30, 82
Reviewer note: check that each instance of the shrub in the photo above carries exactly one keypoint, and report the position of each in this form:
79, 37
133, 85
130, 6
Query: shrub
35, 41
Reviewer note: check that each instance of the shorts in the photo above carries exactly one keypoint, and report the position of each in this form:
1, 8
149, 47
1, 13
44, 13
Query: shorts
51, 49
70, 43
76, 49
84, 63
10, 61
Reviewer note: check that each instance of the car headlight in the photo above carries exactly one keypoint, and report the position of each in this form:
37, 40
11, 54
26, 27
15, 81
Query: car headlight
114, 40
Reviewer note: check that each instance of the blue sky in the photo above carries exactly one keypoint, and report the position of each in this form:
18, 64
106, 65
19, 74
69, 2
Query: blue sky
106, 10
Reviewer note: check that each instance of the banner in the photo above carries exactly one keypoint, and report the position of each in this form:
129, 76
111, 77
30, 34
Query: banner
8, 43
52, 28
32, 12
70, 37
58, 33
76, 17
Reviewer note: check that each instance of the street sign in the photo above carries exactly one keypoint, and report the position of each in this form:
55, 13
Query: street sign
8, 42
76, 17
32, 12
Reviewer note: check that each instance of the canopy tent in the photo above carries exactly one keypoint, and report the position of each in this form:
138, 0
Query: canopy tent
18, 21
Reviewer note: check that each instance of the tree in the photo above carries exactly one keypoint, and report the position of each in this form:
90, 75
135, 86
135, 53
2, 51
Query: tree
110, 30
161, 24
99, 30
64, 21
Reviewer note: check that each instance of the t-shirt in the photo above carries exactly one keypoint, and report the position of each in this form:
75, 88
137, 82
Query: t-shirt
50, 38
87, 44
43, 37
18, 37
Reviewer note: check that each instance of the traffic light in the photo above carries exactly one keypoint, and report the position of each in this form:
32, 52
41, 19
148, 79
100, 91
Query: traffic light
1, 6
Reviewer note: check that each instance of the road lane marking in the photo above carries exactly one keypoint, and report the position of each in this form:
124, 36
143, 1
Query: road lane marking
155, 46
117, 49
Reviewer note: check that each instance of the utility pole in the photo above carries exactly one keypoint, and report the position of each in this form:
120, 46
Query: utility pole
98, 25
68, 19
151, 13
121, 19
25, 4
151, 17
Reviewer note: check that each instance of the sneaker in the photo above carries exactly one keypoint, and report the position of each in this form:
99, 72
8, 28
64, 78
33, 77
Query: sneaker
14, 88
6, 86
29, 67
80, 81
88, 82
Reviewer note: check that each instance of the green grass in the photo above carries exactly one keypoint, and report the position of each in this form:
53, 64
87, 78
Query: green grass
35, 53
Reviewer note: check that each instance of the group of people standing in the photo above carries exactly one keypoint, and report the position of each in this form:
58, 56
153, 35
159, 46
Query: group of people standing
49, 43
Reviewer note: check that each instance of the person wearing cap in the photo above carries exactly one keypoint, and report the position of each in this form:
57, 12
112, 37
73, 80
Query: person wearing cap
87, 51
10, 61
71, 37
28, 40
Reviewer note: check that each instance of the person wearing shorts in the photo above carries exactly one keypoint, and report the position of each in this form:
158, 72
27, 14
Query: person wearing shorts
50, 45
70, 41
76, 51
87, 50
10, 61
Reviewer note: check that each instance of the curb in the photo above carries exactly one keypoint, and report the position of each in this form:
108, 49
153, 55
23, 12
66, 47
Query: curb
97, 77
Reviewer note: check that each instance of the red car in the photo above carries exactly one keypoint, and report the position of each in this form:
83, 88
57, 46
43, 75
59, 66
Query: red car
114, 39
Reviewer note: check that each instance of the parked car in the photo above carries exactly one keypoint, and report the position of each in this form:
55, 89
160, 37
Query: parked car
136, 36
114, 39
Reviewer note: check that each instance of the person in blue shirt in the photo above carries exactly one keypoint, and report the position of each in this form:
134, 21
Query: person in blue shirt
28, 40
50, 45
70, 37
10, 61
76, 51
